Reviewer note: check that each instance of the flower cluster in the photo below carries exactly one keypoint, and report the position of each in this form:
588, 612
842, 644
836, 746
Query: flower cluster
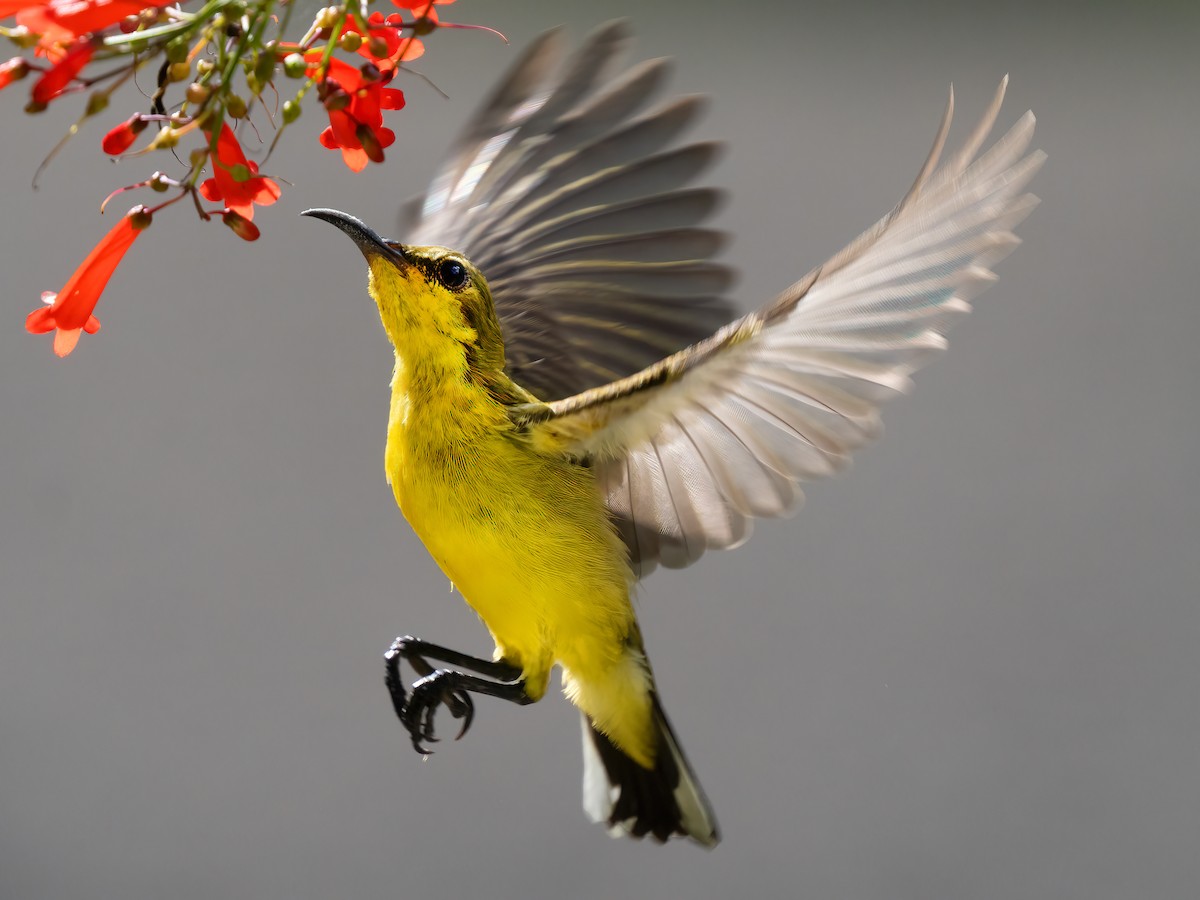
229, 72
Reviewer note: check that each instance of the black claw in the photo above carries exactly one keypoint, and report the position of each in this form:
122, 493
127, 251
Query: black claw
443, 687
468, 716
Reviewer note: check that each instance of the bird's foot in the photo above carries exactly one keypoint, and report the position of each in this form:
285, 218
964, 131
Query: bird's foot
428, 693
444, 687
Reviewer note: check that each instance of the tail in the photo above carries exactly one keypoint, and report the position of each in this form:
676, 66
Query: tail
664, 801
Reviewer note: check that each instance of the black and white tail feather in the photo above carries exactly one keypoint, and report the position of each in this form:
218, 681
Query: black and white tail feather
632, 801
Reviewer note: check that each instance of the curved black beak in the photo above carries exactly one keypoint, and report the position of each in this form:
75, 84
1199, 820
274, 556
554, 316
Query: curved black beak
364, 238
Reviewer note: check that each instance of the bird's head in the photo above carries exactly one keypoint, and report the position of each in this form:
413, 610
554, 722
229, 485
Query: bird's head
435, 305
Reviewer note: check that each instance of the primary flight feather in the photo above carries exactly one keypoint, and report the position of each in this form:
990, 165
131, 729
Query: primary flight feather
572, 404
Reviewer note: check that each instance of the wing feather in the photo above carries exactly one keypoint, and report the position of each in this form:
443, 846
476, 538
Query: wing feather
691, 449
582, 215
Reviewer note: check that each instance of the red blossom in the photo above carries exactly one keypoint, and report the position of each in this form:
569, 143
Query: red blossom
385, 33
359, 106
121, 138
59, 22
62, 73
69, 312
235, 179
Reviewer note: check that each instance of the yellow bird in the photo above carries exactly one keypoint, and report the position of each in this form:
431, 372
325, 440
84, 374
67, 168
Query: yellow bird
570, 409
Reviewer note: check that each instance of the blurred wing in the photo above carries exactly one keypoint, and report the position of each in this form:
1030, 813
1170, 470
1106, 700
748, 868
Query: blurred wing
580, 217
689, 450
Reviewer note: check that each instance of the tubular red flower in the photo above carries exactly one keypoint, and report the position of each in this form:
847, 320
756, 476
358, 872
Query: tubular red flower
121, 138
367, 100
55, 81
69, 312
235, 179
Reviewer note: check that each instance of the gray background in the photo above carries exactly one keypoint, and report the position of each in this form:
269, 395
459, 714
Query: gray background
968, 669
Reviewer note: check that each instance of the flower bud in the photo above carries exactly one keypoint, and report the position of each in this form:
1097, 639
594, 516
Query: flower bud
350, 41
235, 106
177, 51
198, 93
160, 182
291, 111
241, 226
264, 67
140, 218
294, 65
327, 17
378, 47
13, 70
204, 66
180, 71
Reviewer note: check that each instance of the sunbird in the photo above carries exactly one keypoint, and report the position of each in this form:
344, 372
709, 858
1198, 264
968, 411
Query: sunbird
574, 403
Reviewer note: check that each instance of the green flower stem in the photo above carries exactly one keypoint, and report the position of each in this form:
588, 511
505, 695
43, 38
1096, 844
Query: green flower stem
188, 22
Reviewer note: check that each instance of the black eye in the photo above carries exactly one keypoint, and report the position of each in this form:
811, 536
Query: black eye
452, 274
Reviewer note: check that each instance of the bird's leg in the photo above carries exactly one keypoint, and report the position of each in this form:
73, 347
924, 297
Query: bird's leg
437, 686
451, 687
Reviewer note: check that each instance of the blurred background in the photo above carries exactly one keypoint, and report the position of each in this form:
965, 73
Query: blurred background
967, 669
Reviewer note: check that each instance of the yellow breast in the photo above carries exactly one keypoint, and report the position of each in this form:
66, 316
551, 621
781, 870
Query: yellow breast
525, 538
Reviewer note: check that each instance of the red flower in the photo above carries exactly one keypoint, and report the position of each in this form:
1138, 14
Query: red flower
62, 73
121, 138
236, 180
383, 43
355, 105
60, 22
70, 310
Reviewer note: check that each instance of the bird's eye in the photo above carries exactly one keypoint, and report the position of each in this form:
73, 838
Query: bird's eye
452, 274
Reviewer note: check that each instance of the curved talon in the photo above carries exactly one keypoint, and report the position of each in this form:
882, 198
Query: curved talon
466, 713
427, 694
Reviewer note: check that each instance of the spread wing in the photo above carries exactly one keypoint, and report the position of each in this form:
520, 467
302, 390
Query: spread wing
581, 217
691, 449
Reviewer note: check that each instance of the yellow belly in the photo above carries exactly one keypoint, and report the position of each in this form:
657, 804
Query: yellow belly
527, 541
